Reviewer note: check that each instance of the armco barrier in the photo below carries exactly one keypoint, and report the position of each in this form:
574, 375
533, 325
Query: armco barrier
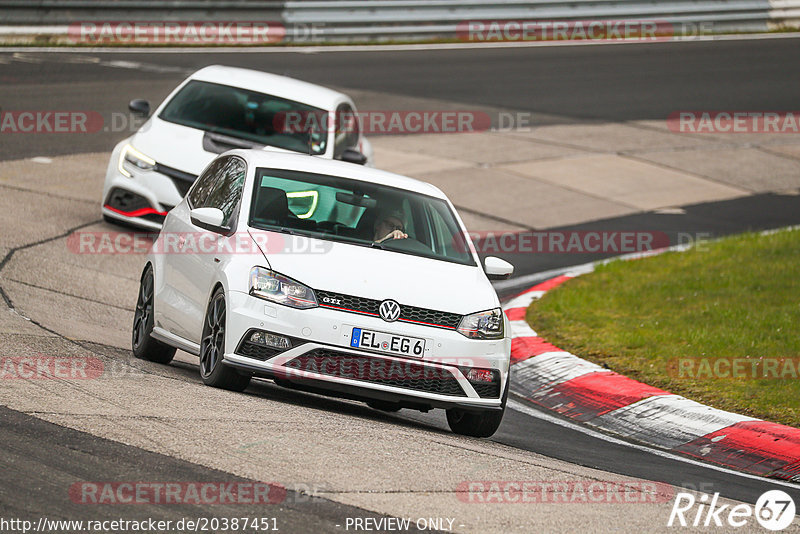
65, 12
381, 20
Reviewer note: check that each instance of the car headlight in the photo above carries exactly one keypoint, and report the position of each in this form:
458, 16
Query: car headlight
269, 285
131, 159
483, 325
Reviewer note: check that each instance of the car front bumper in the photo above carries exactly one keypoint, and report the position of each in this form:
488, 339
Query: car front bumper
321, 357
144, 199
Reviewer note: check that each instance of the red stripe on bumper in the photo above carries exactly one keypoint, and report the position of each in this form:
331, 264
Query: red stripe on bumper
137, 213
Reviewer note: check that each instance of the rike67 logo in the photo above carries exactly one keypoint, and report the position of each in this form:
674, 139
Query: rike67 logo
774, 510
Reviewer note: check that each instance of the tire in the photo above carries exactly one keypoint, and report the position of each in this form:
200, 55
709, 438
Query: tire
477, 424
143, 345
212, 348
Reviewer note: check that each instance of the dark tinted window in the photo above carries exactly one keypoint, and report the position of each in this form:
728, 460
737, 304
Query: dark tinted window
363, 213
347, 129
227, 190
258, 117
202, 187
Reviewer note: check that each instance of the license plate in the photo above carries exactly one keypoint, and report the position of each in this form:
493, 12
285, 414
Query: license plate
391, 343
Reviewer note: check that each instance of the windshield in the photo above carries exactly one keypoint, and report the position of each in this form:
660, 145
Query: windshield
248, 115
362, 213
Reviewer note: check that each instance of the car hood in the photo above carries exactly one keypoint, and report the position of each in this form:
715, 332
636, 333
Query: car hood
378, 274
177, 146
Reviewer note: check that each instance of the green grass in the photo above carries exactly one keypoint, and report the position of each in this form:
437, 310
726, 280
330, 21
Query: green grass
735, 298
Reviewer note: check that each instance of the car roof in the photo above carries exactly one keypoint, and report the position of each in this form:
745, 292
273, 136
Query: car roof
273, 84
313, 164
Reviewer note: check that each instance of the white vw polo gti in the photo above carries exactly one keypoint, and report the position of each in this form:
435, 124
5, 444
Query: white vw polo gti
332, 278
217, 109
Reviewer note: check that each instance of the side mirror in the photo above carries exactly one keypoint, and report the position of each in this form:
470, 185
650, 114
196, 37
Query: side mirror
497, 269
209, 219
140, 107
351, 155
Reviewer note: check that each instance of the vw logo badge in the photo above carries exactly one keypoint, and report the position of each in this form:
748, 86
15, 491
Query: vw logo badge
389, 310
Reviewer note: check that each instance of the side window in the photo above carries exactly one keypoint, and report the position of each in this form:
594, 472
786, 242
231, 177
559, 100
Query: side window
444, 236
347, 130
227, 190
203, 185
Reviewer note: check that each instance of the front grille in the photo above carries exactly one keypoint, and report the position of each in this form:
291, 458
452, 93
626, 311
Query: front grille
487, 391
182, 180
256, 351
408, 314
403, 374
126, 201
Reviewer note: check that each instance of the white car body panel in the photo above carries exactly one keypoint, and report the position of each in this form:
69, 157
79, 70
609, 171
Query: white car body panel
181, 147
184, 284
382, 274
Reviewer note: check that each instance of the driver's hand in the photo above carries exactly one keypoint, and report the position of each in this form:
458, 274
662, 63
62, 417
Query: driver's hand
394, 234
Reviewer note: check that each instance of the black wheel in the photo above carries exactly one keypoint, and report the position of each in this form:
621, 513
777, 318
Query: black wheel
144, 346
384, 406
212, 348
477, 424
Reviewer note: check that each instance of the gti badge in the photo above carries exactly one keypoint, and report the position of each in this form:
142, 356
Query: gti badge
389, 310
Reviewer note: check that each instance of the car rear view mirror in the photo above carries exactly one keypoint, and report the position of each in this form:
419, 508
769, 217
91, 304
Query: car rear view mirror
497, 269
351, 155
356, 200
209, 218
140, 107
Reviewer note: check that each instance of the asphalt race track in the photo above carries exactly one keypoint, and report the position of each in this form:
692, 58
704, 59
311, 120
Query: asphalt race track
570, 85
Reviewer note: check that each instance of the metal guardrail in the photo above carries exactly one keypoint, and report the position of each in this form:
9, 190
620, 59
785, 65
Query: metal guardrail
392, 19
380, 20
64, 12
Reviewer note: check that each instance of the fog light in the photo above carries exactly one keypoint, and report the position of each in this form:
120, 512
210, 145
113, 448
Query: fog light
270, 340
480, 375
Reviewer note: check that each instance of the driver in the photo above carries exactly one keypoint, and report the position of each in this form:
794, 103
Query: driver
390, 224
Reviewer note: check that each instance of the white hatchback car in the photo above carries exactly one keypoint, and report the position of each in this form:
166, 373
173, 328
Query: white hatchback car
328, 277
215, 110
